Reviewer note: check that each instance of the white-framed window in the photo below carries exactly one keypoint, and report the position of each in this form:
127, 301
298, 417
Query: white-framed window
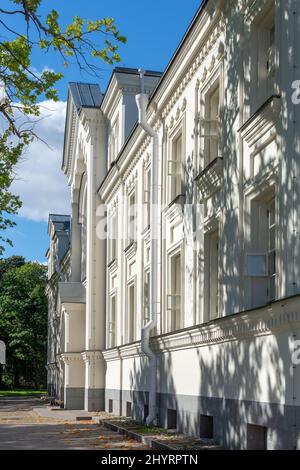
131, 312
175, 170
132, 217
256, 264
113, 141
113, 237
209, 123
112, 322
263, 61
261, 260
211, 274
174, 296
272, 249
83, 246
147, 195
146, 296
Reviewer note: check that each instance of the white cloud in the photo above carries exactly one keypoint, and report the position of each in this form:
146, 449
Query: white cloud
40, 182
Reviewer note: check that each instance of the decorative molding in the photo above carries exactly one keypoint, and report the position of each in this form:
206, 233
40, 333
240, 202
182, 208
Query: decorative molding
205, 49
92, 356
68, 357
269, 320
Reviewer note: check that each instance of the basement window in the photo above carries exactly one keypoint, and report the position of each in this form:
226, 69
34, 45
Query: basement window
256, 437
171, 419
146, 411
110, 405
128, 409
206, 427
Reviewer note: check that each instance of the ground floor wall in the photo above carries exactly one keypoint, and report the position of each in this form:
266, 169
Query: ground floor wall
55, 381
234, 380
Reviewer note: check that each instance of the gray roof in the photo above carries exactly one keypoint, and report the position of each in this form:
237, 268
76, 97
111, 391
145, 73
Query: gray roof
85, 95
59, 217
135, 71
61, 222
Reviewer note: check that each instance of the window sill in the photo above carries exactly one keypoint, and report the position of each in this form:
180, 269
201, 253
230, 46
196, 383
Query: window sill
130, 247
179, 199
272, 102
210, 178
111, 263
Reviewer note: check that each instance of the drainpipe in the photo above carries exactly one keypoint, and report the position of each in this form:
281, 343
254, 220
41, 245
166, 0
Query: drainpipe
142, 102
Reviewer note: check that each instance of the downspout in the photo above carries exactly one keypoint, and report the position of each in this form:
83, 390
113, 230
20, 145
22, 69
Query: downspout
142, 102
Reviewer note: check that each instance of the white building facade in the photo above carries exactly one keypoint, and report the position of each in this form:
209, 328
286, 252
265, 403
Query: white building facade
218, 291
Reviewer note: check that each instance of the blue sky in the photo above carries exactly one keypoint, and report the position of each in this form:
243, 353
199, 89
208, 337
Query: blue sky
153, 31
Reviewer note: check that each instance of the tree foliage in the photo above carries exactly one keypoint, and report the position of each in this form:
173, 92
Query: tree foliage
23, 87
10, 263
23, 319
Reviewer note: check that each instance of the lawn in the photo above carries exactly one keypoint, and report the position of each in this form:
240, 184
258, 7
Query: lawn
21, 393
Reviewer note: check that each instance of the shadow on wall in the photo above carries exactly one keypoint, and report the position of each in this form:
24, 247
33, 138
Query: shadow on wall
241, 382
167, 405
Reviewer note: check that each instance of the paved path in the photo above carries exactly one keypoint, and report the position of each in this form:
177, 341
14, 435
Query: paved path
22, 428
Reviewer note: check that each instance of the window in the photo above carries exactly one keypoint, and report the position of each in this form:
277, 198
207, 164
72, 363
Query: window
146, 412
206, 427
147, 196
146, 296
113, 238
113, 141
128, 409
174, 298
175, 168
209, 124
132, 218
211, 277
261, 262
264, 62
271, 248
83, 248
110, 405
131, 314
112, 323
256, 437
171, 419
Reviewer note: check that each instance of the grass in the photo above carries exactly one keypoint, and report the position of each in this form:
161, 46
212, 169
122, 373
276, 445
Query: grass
21, 393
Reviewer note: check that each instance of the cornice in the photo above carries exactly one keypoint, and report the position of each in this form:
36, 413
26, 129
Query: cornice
92, 356
278, 317
122, 352
68, 357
